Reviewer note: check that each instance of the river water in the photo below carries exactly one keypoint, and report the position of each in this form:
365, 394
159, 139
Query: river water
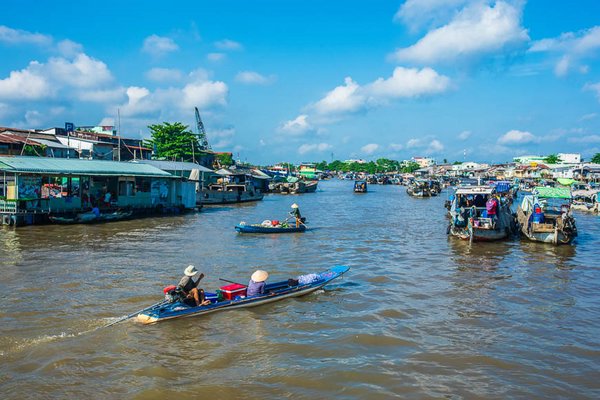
419, 315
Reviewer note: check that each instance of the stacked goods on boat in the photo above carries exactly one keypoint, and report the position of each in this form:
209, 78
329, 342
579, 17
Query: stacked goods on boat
545, 216
479, 213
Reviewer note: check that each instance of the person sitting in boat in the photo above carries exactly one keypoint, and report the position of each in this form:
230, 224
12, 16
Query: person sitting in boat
190, 287
296, 214
96, 210
257, 283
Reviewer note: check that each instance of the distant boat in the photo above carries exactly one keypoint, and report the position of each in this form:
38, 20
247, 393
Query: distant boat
360, 187
229, 188
90, 218
259, 228
545, 216
424, 188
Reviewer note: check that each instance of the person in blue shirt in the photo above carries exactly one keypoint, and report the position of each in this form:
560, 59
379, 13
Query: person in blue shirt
257, 283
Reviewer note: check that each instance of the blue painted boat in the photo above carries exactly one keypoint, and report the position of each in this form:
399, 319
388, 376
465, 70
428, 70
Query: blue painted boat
273, 292
268, 229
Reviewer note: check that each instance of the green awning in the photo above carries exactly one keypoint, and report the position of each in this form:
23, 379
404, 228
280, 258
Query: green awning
566, 181
554, 193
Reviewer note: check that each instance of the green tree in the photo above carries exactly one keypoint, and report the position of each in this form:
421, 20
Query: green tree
173, 141
322, 166
552, 159
457, 163
596, 158
225, 159
410, 167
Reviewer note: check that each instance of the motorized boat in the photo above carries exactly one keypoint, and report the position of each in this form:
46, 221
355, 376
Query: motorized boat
545, 216
360, 187
470, 218
219, 302
264, 228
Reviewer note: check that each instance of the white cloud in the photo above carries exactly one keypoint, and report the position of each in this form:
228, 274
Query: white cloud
227, 44
395, 146
572, 49
404, 83
215, 57
314, 148
159, 45
369, 148
517, 137
476, 30
69, 48
585, 139
297, 126
418, 13
588, 117
222, 138
252, 78
82, 72
464, 135
594, 87
408, 82
342, 99
17, 36
107, 121
26, 84
412, 143
203, 94
435, 146
164, 75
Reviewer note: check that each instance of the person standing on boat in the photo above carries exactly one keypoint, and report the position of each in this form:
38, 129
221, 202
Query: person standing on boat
190, 287
491, 207
296, 214
257, 283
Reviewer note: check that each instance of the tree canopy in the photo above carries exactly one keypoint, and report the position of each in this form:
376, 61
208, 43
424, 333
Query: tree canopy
173, 141
372, 167
552, 159
596, 158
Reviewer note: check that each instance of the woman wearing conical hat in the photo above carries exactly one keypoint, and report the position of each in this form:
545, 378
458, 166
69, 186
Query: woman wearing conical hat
257, 283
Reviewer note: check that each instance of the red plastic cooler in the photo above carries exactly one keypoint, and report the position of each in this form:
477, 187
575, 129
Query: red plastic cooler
230, 292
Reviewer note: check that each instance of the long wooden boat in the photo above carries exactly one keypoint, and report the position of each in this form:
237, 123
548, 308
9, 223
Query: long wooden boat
273, 292
257, 228
90, 218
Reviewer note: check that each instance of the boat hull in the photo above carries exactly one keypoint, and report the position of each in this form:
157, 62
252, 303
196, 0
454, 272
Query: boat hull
263, 229
209, 197
273, 292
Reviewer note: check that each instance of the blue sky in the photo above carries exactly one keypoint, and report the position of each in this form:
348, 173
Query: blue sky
311, 80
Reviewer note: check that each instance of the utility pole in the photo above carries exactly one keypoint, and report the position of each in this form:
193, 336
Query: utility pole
119, 132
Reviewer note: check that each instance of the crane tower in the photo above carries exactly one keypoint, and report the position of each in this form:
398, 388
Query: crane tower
201, 132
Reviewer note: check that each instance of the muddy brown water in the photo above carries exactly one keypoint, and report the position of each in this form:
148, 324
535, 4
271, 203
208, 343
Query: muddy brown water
419, 315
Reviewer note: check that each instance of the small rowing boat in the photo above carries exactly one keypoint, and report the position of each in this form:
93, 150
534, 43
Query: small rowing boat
273, 292
258, 228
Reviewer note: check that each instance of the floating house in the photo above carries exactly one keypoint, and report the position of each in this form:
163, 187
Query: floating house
32, 188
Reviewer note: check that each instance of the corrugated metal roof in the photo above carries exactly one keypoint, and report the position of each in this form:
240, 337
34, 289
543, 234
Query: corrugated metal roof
173, 165
73, 166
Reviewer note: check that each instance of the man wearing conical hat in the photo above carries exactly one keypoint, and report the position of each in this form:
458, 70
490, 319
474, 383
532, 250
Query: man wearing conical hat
190, 287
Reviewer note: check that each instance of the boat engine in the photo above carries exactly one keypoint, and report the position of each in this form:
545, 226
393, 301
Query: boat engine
173, 294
